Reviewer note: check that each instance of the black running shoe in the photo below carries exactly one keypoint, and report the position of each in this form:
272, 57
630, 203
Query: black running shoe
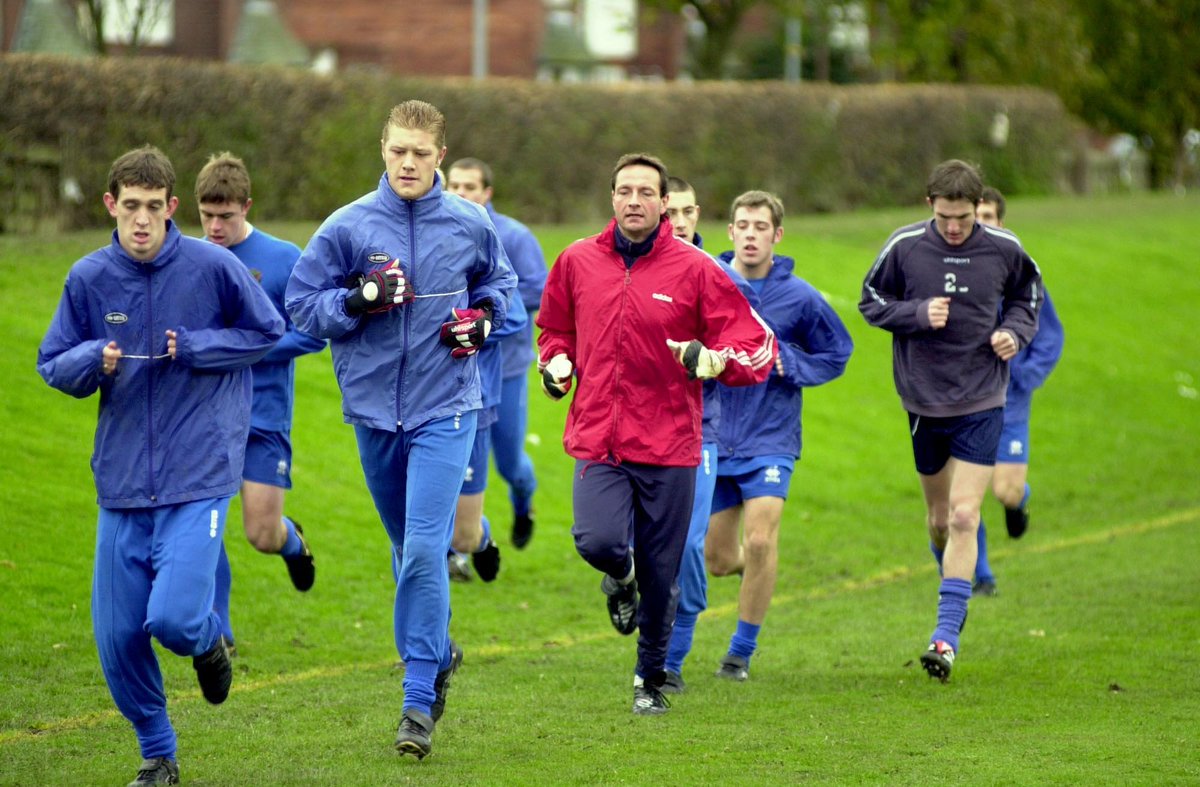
622, 603
301, 568
733, 668
487, 561
159, 770
442, 682
415, 735
984, 587
522, 531
214, 672
649, 700
673, 684
938, 660
1016, 520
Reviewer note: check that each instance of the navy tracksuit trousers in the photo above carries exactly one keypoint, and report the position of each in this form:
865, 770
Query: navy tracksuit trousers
652, 505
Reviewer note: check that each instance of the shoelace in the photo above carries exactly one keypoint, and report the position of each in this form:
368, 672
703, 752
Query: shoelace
655, 697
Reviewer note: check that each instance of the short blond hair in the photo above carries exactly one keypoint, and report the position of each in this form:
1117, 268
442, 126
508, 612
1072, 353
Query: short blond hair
420, 115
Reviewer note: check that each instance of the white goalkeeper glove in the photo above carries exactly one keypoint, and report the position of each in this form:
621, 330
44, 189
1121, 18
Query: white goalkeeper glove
699, 361
556, 376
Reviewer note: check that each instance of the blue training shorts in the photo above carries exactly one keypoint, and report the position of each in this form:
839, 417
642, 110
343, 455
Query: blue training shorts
1014, 444
740, 479
268, 458
969, 438
476, 478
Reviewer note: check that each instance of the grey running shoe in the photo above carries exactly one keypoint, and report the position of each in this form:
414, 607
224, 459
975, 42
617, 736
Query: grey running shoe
522, 530
458, 567
938, 660
1016, 520
159, 770
442, 682
622, 603
487, 561
214, 672
733, 668
301, 568
673, 684
415, 734
649, 700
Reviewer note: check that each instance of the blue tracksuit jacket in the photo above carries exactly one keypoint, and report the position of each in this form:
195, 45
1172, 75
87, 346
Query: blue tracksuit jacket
814, 346
1030, 367
393, 371
270, 262
168, 431
527, 261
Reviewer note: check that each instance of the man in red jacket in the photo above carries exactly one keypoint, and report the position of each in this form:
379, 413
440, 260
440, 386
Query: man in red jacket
639, 318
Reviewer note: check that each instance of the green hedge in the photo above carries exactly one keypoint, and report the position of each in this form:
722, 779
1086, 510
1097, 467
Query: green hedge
311, 142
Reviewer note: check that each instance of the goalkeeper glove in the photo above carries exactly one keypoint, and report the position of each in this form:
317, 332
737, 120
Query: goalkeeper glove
699, 361
466, 333
381, 290
556, 376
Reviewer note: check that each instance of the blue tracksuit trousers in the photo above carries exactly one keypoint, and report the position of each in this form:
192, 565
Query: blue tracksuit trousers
654, 505
508, 443
154, 577
414, 478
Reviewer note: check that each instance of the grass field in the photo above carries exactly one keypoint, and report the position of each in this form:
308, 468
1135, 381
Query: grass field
1084, 670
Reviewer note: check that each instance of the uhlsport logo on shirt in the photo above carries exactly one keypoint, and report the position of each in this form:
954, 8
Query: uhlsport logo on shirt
956, 260
378, 257
772, 475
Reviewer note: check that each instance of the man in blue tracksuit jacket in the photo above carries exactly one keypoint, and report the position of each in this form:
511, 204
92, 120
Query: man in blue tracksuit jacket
223, 196
166, 329
471, 179
406, 283
760, 430
1027, 370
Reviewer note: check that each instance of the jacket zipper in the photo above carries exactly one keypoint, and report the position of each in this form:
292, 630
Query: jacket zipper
404, 321
612, 435
149, 371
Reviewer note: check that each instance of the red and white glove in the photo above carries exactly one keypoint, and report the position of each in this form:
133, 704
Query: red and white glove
380, 290
466, 333
556, 376
699, 361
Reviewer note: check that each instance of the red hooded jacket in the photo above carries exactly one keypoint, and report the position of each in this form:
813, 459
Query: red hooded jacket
633, 400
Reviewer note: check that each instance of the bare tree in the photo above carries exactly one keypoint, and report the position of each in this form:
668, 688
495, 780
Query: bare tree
133, 18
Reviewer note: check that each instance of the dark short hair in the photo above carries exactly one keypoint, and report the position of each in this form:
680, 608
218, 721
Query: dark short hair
994, 196
759, 199
419, 115
679, 184
146, 166
474, 163
645, 160
954, 180
223, 179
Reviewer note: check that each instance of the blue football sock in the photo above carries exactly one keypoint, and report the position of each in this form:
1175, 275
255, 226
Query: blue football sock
953, 596
1025, 498
744, 639
221, 597
419, 676
937, 555
486, 537
983, 571
292, 546
681, 641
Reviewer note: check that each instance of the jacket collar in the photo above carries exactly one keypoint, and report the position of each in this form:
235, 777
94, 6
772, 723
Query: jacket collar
166, 254
394, 202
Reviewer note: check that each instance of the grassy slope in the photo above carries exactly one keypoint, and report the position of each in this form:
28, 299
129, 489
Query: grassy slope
1082, 670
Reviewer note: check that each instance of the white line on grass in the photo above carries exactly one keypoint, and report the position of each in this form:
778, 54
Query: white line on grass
44, 730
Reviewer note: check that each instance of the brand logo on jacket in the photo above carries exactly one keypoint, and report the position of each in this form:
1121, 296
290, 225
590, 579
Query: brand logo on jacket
658, 296
378, 257
116, 318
